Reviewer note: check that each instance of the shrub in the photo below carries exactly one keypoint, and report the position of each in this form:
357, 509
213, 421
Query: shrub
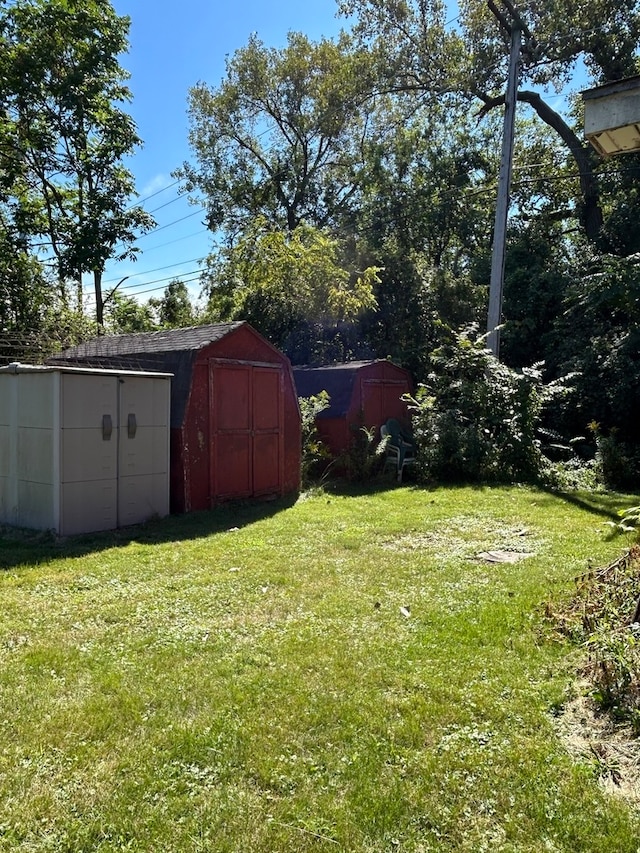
315, 454
476, 419
617, 462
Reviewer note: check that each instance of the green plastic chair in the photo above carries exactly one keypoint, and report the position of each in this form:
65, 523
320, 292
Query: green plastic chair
400, 447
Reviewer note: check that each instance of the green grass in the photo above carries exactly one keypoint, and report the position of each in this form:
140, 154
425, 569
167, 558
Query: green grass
341, 674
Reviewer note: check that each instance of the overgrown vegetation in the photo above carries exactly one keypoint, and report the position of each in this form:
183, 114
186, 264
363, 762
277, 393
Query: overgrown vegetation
315, 454
604, 616
476, 419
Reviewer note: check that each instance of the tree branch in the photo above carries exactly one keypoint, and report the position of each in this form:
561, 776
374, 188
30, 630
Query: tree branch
591, 211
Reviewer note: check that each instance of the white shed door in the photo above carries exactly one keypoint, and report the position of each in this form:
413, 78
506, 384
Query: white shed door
89, 453
114, 461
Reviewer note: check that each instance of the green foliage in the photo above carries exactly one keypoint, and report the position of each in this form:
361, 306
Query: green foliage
315, 454
278, 279
65, 135
364, 459
125, 315
600, 615
175, 309
630, 518
475, 419
281, 137
617, 462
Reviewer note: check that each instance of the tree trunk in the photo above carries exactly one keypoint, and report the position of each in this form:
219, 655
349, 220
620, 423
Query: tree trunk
591, 213
97, 283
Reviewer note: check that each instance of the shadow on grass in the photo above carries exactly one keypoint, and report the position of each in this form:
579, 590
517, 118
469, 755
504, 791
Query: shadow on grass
28, 548
604, 504
19, 547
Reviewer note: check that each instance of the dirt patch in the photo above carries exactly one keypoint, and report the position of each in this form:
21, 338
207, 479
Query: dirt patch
612, 747
473, 537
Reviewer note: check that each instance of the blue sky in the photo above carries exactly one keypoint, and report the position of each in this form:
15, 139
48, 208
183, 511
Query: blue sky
173, 46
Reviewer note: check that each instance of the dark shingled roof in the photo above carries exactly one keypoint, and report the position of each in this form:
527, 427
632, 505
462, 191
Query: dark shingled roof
336, 379
166, 340
168, 351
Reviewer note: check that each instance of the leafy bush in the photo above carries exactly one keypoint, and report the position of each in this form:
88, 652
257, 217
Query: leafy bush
365, 456
617, 462
315, 454
476, 419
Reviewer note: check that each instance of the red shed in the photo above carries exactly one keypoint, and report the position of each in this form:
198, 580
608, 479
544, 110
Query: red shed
235, 420
361, 393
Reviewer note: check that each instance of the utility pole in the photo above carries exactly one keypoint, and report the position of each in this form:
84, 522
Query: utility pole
514, 26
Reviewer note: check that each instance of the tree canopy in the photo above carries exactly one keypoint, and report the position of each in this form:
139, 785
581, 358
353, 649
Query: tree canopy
63, 137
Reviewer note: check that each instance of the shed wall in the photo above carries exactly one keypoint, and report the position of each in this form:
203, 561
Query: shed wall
58, 467
373, 395
241, 433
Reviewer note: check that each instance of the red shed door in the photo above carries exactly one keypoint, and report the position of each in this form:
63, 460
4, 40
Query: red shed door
247, 429
381, 400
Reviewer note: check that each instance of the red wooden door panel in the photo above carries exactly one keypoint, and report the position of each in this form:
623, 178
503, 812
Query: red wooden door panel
230, 392
381, 400
267, 430
247, 433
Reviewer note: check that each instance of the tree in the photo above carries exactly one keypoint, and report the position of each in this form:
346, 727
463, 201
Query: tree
283, 137
125, 315
423, 55
64, 134
278, 280
174, 309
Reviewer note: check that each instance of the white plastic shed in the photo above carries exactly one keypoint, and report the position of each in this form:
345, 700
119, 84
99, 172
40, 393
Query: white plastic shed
82, 449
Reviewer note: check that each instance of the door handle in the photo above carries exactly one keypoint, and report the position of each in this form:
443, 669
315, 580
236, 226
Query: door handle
107, 427
132, 426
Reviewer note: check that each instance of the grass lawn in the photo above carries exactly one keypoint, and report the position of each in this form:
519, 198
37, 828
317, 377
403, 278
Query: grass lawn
341, 674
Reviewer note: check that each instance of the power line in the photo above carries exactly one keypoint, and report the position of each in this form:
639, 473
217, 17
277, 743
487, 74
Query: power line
157, 192
169, 224
196, 273
166, 204
157, 269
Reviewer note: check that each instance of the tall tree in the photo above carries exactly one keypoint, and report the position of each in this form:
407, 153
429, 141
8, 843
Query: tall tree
283, 136
279, 280
423, 54
175, 309
60, 105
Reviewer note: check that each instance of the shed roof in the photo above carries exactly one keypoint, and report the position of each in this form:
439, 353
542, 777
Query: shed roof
166, 340
169, 350
337, 380
17, 367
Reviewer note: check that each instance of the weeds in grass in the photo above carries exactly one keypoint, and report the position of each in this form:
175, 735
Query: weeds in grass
603, 615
